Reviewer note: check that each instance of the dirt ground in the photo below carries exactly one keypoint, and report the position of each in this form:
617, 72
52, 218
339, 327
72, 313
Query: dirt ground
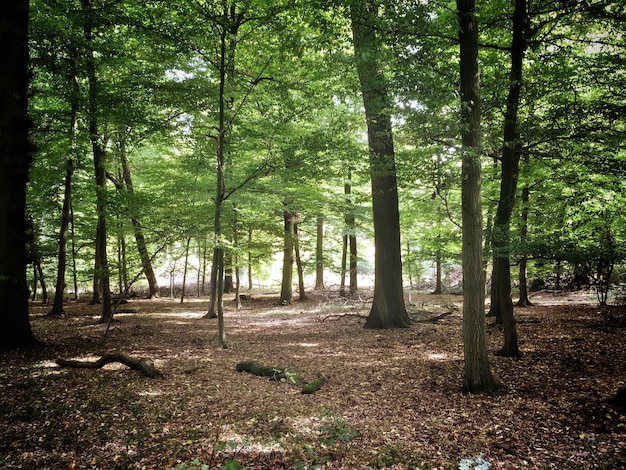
391, 399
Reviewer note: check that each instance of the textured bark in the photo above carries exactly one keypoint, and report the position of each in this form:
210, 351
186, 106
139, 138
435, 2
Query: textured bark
97, 145
15, 160
524, 300
477, 374
501, 302
319, 254
57, 306
140, 238
349, 253
388, 307
286, 289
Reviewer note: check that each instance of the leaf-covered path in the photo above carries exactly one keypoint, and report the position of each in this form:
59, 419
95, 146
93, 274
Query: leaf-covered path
391, 399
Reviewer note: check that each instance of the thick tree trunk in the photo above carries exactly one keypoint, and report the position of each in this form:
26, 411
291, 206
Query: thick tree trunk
228, 273
319, 254
502, 305
15, 159
286, 289
388, 308
477, 374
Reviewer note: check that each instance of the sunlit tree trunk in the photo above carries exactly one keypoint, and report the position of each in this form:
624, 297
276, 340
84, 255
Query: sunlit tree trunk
388, 307
15, 160
477, 374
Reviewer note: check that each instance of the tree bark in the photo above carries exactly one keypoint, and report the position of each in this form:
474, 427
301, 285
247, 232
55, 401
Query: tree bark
501, 302
286, 290
57, 306
319, 254
140, 239
388, 307
102, 273
143, 364
185, 266
477, 373
15, 160
299, 267
524, 300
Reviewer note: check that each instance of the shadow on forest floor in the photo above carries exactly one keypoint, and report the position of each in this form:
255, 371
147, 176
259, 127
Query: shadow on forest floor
392, 399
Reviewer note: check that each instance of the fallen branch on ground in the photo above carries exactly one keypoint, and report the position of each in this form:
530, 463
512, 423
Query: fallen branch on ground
142, 364
341, 315
436, 318
280, 374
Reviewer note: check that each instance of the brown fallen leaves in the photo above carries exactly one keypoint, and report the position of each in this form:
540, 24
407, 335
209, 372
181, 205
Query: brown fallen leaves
392, 399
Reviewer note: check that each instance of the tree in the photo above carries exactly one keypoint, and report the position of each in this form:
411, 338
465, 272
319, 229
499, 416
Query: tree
388, 308
101, 263
477, 374
15, 160
501, 302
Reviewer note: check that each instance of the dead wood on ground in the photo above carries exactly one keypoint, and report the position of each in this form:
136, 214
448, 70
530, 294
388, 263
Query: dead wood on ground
144, 365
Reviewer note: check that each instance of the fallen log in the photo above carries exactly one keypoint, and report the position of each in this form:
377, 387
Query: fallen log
314, 386
144, 365
278, 374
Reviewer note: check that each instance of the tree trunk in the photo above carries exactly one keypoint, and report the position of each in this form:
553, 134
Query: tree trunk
236, 258
344, 259
140, 239
183, 291
228, 272
477, 374
438, 283
319, 254
212, 311
15, 160
300, 269
502, 304
524, 301
57, 306
74, 271
102, 274
250, 257
388, 308
286, 290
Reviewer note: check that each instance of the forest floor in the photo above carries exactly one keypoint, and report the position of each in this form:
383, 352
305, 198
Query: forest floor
392, 399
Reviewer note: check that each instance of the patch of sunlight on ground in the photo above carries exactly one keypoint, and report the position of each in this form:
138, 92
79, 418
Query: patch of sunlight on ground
437, 357
146, 393
44, 368
241, 443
